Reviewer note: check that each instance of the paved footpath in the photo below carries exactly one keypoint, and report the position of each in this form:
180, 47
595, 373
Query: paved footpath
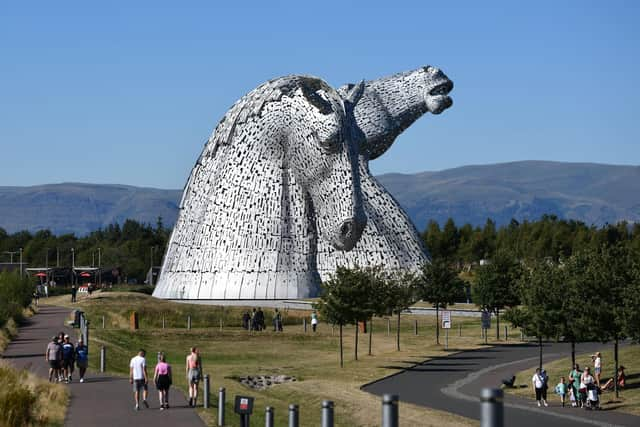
453, 383
101, 400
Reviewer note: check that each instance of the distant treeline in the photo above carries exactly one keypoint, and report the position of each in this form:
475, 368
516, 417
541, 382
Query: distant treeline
134, 246
548, 238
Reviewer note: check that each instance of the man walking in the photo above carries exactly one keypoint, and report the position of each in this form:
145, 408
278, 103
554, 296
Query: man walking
138, 377
74, 291
52, 355
82, 358
68, 357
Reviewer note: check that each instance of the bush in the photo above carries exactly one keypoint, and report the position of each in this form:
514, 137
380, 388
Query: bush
16, 401
15, 295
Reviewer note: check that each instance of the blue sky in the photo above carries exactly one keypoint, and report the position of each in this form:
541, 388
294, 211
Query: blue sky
127, 92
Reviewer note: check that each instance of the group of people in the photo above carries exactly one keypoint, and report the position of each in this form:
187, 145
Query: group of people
163, 378
254, 320
582, 388
62, 355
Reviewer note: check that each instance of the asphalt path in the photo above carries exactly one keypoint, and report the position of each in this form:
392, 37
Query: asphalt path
101, 400
453, 382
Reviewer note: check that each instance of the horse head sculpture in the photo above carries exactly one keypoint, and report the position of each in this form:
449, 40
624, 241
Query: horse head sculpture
280, 171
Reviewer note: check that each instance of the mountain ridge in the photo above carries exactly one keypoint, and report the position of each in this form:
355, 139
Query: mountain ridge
593, 193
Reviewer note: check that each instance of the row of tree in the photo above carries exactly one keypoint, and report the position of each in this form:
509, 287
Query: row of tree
15, 295
549, 237
356, 295
132, 246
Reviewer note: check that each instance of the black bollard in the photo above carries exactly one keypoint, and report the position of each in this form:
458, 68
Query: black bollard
268, 417
491, 407
221, 403
293, 415
390, 410
416, 327
327, 413
205, 400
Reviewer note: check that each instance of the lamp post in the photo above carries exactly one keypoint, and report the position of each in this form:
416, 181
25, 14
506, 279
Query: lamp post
99, 269
21, 263
57, 257
11, 255
73, 266
153, 248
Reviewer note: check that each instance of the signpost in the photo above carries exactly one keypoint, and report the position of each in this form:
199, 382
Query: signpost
446, 325
244, 407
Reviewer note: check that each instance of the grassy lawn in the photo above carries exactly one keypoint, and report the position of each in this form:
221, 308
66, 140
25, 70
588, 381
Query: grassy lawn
233, 352
629, 357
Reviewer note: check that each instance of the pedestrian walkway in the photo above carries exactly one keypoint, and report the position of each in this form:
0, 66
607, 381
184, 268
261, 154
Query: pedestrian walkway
453, 383
101, 400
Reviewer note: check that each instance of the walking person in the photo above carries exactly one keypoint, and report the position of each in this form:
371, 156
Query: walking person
46, 290
574, 383
597, 366
538, 381
74, 291
314, 320
586, 383
562, 389
52, 356
82, 358
194, 373
162, 380
138, 377
277, 321
68, 359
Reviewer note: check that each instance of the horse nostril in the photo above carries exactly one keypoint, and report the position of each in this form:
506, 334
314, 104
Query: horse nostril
346, 229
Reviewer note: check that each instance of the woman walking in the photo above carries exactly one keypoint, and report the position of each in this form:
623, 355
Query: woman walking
162, 379
574, 383
539, 383
194, 373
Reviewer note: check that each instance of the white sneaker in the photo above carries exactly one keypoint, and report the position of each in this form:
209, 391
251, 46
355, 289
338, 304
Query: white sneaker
545, 403
81, 380
137, 407
538, 403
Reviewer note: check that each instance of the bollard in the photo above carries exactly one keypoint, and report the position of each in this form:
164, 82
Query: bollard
327, 413
221, 324
189, 322
390, 410
102, 322
221, 403
521, 335
388, 327
293, 415
268, 417
491, 408
103, 359
205, 400
416, 327
460, 330
506, 334
304, 324
162, 322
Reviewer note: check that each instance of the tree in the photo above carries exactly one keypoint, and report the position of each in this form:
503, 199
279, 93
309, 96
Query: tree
438, 284
495, 286
399, 294
542, 298
344, 300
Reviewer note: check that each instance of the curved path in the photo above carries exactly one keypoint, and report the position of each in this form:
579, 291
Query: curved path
101, 400
453, 383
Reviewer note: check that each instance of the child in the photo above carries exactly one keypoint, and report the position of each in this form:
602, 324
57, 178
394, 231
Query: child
572, 397
561, 390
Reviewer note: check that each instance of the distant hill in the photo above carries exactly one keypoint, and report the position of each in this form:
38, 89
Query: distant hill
593, 193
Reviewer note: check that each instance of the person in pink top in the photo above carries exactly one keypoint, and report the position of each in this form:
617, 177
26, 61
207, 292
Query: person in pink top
162, 379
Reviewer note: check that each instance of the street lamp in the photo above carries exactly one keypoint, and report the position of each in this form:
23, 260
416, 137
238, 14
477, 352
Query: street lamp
99, 269
153, 248
73, 266
11, 255
21, 263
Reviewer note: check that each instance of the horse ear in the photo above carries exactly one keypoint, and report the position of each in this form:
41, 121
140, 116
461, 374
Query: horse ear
354, 94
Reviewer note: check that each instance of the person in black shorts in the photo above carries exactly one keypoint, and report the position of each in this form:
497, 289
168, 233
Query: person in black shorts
52, 356
68, 358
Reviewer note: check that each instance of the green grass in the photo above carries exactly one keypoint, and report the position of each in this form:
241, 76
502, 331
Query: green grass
629, 357
233, 352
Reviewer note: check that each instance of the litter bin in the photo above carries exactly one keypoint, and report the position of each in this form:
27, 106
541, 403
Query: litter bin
76, 318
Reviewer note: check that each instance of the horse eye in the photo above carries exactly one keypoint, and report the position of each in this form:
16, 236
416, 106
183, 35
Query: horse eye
331, 144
